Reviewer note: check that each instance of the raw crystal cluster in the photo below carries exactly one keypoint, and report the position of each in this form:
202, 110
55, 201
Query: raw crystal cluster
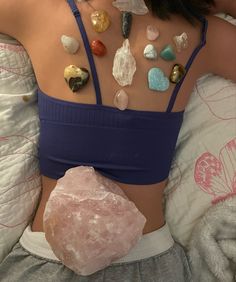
137, 7
89, 222
124, 65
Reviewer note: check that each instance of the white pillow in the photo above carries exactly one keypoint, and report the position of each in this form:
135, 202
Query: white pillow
19, 129
204, 168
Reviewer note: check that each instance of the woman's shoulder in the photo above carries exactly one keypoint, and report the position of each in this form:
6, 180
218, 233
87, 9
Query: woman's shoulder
16, 16
221, 42
12, 15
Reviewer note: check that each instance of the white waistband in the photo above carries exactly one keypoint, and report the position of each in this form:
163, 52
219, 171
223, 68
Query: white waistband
149, 245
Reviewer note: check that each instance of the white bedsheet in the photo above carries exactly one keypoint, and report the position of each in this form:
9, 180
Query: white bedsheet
19, 129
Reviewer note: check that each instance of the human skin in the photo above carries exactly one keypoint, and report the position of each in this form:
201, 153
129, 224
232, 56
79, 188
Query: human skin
39, 28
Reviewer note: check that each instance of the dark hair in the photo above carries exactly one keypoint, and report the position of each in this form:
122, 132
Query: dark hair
189, 9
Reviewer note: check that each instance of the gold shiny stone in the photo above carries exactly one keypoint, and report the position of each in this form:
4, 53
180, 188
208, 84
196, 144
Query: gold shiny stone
177, 73
100, 20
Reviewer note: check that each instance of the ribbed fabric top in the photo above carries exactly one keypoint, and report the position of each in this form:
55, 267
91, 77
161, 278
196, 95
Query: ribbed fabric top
130, 146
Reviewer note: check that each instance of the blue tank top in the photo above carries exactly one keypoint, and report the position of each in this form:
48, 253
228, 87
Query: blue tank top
130, 146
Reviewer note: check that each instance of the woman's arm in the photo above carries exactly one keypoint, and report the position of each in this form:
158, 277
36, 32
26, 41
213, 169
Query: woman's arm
225, 6
220, 48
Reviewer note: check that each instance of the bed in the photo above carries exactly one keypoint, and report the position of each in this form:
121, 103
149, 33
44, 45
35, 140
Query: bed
203, 171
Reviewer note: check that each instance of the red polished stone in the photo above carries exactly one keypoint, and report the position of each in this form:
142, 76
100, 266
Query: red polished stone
98, 48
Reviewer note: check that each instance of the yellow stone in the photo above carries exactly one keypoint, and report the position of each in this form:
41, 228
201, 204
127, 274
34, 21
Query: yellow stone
177, 73
100, 20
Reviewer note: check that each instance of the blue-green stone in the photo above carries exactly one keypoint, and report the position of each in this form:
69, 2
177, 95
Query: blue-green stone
157, 80
168, 53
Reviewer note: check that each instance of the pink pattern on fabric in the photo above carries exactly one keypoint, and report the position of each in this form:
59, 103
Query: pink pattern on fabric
221, 103
217, 177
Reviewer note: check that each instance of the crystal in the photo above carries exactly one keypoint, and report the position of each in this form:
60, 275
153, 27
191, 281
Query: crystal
177, 73
89, 222
137, 7
157, 80
126, 23
121, 100
70, 44
100, 20
167, 53
181, 41
124, 65
152, 33
76, 77
98, 48
150, 52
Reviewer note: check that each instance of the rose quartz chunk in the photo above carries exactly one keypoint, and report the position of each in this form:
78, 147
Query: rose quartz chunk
121, 100
89, 222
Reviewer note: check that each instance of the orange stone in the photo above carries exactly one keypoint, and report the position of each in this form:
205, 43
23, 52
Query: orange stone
98, 48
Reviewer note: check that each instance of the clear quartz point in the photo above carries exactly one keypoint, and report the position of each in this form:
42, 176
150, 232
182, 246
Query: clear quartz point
124, 65
137, 7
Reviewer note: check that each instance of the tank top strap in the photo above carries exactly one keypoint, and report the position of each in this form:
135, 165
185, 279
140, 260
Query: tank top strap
79, 21
189, 62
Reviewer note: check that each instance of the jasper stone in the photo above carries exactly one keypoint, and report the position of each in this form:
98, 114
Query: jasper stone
76, 77
168, 53
98, 48
126, 23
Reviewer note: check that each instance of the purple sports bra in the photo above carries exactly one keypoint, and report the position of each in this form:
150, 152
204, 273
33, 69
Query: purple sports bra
130, 146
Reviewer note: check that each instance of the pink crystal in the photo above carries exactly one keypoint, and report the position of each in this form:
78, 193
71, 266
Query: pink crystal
121, 100
152, 33
89, 222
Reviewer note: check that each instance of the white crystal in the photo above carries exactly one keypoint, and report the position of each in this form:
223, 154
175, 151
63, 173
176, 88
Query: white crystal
121, 100
181, 41
137, 7
150, 52
124, 65
70, 44
89, 222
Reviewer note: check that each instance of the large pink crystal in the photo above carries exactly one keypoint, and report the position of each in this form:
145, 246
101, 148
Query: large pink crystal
89, 222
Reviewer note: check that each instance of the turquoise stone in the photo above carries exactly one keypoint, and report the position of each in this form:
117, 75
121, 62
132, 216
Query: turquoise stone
157, 80
168, 53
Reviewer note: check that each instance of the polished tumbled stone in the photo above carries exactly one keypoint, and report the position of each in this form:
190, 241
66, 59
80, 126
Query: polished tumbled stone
150, 52
168, 53
100, 21
157, 80
177, 73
